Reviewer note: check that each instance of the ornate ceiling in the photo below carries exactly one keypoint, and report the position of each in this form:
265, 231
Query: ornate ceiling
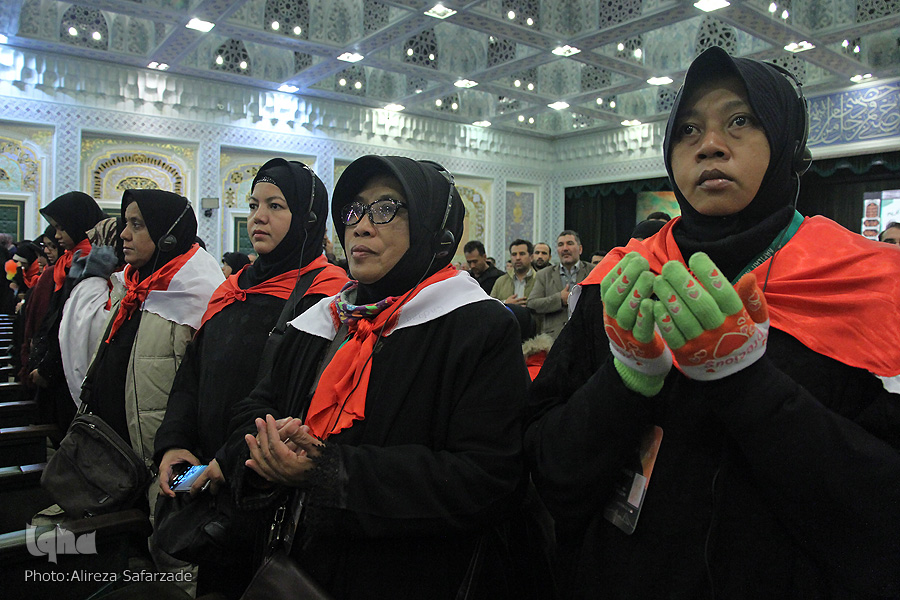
505, 46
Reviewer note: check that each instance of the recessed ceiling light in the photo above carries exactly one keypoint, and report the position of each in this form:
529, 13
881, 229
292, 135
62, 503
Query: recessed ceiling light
799, 46
350, 57
599, 100
163, 67
393, 107
521, 118
200, 25
630, 122
845, 43
438, 102
785, 14
517, 83
409, 52
454, 106
439, 11
638, 53
511, 15
711, 5
612, 103
559, 105
288, 88
482, 123
219, 60
659, 80
620, 46
860, 78
73, 32
773, 7
530, 87
358, 85
275, 25
298, 30
96, 35
342, 82
531, 120
529, 21
465, 83
153, 65
431, 56
3, 39
565, 50
243, 64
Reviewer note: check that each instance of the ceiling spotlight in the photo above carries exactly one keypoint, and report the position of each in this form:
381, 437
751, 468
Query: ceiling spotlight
393, 107
785, 14
521, 118
511, 15
439, 11
773, 7
96, 35
711, 5
856, 49
288, 88
73, 32
219, 60
659, 80
200, 25
630, 122
531, 120
620, 46
438, 102
358, 85
454, 106
275, 25
517, 83
861, 78
565, 50
599, 100
638, 53
482, 123
163, 67
612, 103
529, 21
153, 65
465, 83
243, 64
342, 82
431, 56
350, 57
530, 87
559, 105
409, 51
845, 43
298, 30
799, 46
3, 39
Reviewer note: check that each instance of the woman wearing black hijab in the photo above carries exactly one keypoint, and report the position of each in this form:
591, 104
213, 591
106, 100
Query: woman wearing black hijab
759, 465
72, 215
232, 262
285, 230
169, 280
410, 444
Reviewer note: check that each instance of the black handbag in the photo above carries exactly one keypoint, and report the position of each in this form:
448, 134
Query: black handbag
280, 577
205, 528
94, 471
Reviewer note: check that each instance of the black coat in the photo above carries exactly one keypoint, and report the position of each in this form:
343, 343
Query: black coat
780, 481
398, 501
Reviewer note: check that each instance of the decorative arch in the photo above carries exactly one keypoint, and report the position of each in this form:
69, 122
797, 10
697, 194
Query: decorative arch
84, 26
236, 184
113, 173
21, 166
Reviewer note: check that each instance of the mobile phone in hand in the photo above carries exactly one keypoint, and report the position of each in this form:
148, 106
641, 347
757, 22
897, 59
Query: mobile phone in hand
182, 482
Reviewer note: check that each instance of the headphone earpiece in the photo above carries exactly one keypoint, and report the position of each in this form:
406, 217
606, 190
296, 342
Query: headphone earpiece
802, 157
312, 217
444, 241
168, 241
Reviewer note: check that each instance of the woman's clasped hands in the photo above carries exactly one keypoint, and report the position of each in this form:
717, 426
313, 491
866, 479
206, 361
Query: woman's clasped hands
711, 328
283, 451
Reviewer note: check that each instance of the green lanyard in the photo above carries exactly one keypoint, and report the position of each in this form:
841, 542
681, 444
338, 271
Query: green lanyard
777, 244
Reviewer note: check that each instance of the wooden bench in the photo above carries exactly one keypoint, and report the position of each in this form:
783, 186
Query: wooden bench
10, 391
21, 495
24, 445
17, 413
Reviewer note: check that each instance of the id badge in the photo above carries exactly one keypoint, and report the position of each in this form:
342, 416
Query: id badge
630, 489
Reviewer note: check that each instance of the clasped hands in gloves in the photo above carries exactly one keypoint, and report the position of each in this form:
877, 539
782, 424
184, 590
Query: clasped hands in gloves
712, 328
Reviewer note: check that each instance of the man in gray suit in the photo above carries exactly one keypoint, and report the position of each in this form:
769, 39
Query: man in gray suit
550, 297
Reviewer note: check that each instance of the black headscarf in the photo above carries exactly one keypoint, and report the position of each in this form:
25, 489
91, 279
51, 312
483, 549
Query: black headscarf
235, 260
426, 191
734, 240
303, 242
160, 210
28, 250
75, 213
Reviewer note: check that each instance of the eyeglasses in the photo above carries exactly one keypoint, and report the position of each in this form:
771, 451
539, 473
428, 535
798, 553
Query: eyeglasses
381, 212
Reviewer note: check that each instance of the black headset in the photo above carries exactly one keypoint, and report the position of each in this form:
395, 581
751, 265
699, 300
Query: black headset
168, 241
444, 241
312, 195
802, 157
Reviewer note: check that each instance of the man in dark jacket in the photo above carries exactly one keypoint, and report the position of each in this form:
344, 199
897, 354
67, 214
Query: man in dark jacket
485, 274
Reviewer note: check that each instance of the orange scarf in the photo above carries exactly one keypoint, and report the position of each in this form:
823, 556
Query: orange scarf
61, 268
31, 275
340, 397
138, 290
836, 303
